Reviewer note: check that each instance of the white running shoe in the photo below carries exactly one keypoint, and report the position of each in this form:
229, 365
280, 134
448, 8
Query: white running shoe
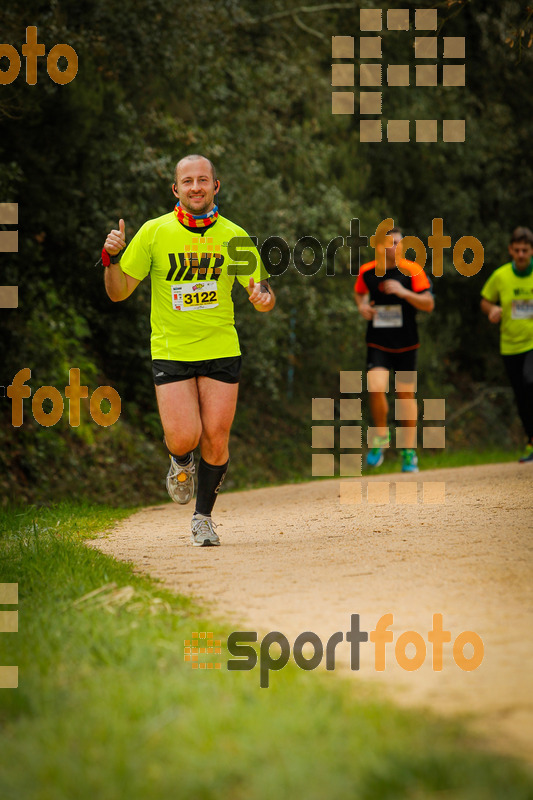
203, 532
180, 481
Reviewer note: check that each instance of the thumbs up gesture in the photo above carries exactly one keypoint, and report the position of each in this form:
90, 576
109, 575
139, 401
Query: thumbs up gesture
260, 295
116, 240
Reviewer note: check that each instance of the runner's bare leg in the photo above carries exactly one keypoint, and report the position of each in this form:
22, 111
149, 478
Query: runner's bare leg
405, 391
179, 409
377, 386
218, 401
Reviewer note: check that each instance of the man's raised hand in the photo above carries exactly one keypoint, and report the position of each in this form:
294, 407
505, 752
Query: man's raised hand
259, 294
116, 240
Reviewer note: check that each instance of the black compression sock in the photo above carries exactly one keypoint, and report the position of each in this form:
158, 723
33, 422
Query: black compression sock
210, 477
185, 460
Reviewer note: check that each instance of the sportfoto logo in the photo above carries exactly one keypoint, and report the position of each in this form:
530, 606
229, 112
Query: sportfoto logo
373, 74
31, 50
18, 390
9, 623
308, 253
9, 243
239, 645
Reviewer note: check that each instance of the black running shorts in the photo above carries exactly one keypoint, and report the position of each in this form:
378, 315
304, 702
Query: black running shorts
399, 362
227, 370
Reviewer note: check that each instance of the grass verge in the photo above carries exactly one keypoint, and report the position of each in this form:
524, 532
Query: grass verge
106, 706
445, 459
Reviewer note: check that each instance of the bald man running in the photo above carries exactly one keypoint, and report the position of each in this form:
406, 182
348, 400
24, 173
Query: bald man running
196, 358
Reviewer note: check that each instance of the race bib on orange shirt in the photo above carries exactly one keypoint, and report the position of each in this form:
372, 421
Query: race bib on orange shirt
388, 317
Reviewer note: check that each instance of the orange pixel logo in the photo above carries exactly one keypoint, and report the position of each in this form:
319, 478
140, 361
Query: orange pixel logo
201, 644
374, 75
9, 623
195, 261
351, 439
9, 243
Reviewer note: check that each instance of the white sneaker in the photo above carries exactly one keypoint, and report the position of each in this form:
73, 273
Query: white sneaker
180, 481
203, 532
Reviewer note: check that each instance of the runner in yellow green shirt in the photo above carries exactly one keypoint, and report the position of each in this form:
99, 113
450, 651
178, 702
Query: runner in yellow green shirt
508, 300
196, 356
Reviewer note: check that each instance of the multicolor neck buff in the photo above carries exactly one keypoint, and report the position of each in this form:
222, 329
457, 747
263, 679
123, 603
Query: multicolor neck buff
192, 221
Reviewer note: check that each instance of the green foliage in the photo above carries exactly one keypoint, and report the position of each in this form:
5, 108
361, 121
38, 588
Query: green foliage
250, 88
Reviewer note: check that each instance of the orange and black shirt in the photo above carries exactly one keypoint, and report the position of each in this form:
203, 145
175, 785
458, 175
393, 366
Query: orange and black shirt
394, 327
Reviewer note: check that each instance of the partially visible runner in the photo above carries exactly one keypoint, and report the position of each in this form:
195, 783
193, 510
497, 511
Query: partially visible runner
196, 358
390, 304
508, 300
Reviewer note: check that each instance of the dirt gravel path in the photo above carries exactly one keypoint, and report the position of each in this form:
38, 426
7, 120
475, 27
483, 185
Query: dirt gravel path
294, 559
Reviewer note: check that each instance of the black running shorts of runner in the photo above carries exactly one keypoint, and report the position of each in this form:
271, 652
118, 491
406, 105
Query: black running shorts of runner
398, 361
227, 370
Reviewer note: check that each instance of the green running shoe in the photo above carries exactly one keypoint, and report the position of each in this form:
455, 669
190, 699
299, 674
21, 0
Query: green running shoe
528, 455
375, 455
409, 461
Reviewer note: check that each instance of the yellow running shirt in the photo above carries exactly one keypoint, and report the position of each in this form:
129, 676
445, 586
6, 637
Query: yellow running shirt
514, 293
192, 310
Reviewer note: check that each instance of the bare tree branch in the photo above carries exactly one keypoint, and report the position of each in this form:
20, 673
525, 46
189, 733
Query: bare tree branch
308, 30
302, 10
488, 390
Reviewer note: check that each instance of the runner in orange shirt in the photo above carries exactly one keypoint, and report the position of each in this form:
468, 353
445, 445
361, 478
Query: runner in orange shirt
390, 304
